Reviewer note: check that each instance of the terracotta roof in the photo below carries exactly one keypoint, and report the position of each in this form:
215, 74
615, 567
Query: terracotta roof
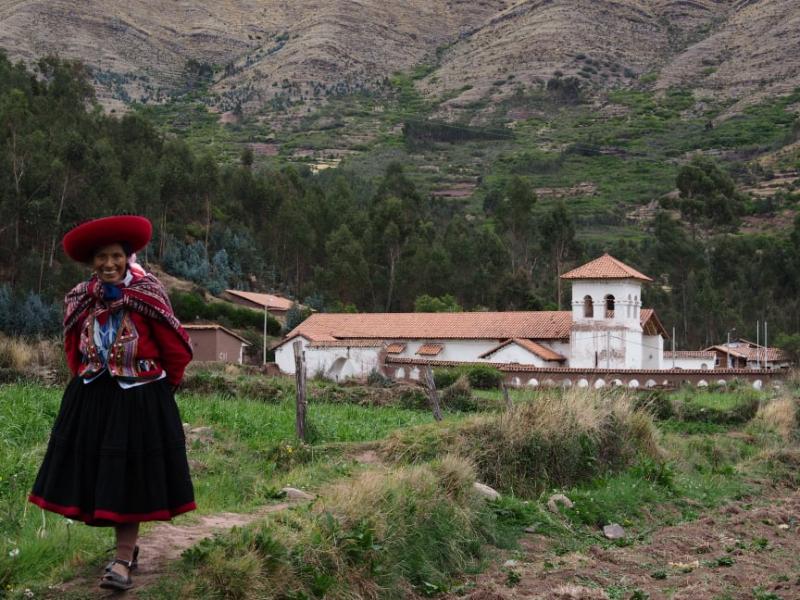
395, 348
689, 354
605, 267
206, 326
651, 324
273, 302
430, 349
436, 326
346, 344
542, 352
541, 325
752, 353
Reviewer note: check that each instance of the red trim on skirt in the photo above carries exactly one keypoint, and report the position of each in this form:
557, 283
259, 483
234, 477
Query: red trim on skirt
106, 515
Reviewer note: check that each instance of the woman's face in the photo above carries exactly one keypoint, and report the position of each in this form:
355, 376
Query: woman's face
109, 263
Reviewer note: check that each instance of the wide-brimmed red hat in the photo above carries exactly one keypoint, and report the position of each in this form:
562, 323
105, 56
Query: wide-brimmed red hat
81, 242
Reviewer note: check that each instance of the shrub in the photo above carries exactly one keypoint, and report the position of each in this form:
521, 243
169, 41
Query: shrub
391, 534
484, 377
548, 443
458, 396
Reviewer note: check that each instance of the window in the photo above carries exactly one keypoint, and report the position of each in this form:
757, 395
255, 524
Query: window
588, 307
609, 306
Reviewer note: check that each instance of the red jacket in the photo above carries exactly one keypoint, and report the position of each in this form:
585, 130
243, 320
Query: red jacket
146, 348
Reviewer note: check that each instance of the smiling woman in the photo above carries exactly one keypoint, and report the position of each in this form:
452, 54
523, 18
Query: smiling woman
117, 455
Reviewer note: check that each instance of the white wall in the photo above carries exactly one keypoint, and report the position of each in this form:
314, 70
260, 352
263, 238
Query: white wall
284, 355
689, 363
627, 299
605, 345
652, 352
458, 350
334, 363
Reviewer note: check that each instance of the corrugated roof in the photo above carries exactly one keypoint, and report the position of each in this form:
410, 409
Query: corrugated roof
605, 267
542, 352
430, 349
272, 301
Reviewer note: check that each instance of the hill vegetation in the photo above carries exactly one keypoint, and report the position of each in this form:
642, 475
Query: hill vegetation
348, 239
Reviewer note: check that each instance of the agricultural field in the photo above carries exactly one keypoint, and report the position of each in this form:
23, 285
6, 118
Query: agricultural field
395, 513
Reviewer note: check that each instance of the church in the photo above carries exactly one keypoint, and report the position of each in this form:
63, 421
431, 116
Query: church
607, 328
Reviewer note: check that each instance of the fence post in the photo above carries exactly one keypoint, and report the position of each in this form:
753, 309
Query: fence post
509, 404
300, 381
430, 386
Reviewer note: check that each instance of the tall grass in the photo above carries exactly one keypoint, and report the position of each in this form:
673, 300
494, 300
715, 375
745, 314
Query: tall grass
384, 534
555, 440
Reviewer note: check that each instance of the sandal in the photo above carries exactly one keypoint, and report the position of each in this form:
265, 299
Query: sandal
134, 563
114, 581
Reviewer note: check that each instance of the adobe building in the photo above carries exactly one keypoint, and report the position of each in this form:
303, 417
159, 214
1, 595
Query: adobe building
215, 343
607, 338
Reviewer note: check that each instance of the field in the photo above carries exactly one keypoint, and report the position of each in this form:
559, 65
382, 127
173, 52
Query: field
405, 522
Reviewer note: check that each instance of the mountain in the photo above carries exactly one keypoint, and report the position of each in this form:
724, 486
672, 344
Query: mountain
741, 50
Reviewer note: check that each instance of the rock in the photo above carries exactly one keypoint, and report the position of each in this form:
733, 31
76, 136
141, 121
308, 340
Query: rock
531, 529
295, 494
204, 435
783, 526
555, 500
485, 491
510, 564
614, 531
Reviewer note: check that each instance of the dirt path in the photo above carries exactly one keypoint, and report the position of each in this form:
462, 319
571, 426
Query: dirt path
164, 543
747, 550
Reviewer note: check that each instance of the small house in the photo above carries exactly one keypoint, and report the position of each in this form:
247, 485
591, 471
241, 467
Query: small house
215, 343
277, 306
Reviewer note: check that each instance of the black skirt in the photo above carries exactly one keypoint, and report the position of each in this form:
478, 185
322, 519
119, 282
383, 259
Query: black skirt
115, 455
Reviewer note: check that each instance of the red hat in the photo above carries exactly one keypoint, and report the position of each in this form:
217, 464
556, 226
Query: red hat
81, 242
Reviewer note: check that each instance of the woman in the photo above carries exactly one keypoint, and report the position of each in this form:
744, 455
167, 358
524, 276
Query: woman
117, 454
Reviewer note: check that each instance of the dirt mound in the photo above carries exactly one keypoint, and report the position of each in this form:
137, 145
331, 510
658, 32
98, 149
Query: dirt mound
747, 549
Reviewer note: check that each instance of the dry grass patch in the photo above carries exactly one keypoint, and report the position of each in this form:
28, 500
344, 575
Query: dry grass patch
553, 440
383, 534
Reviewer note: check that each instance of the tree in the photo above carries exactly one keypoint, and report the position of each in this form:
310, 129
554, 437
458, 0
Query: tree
515, 214
558, 240
446, 303
707, 192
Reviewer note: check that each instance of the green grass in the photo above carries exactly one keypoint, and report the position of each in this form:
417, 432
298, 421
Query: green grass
253, 453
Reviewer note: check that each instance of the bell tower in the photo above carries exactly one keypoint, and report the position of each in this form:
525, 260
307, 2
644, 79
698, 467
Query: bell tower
606, 315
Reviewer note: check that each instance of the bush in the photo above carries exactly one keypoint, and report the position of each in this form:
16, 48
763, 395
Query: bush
657, 403
539, 445
484, 377
458, 396
481, 377
391, 534
189, 307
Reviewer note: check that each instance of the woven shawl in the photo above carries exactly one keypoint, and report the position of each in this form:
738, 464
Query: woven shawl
144, 295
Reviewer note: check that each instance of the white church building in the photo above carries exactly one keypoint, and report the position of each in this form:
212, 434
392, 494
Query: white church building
607, 328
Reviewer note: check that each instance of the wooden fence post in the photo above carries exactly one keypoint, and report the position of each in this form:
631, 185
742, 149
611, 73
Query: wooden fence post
300, 380
509, 404
433, 396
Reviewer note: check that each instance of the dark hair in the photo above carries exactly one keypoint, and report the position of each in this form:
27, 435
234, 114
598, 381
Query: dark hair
126, 248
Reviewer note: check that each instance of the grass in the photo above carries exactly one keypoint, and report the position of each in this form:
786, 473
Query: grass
414, 526
241, 468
